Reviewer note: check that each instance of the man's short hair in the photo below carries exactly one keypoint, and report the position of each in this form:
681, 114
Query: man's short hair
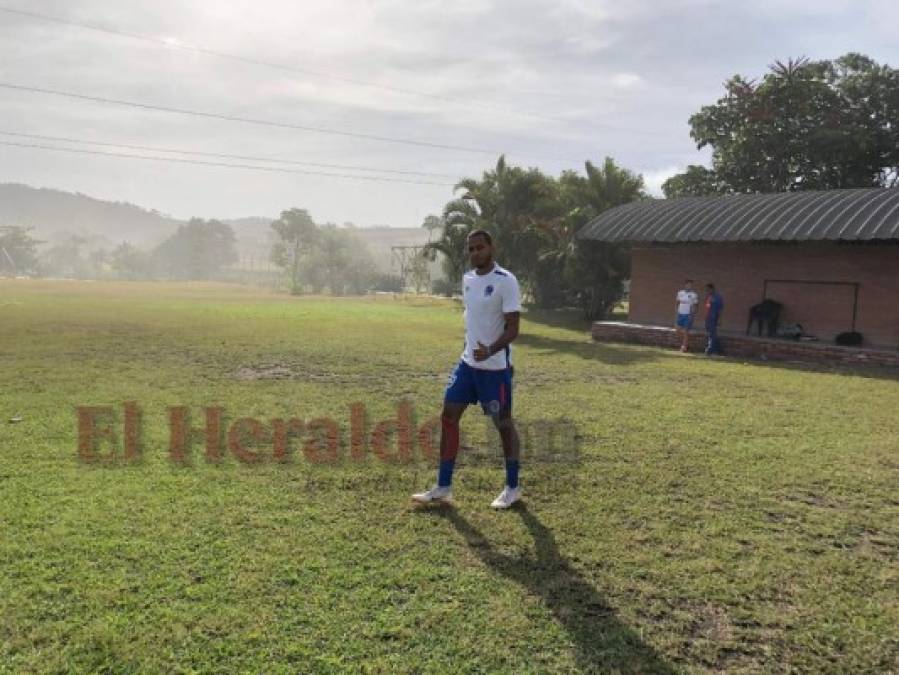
710, 285
481, 233
688, 281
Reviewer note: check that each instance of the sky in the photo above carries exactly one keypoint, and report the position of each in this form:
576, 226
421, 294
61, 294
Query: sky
445, 87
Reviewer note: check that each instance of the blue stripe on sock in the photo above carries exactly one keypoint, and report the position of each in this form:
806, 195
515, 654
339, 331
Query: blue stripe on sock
445, 473
512, 473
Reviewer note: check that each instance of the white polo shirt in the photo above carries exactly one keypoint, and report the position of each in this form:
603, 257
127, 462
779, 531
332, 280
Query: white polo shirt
487, 297
686, 300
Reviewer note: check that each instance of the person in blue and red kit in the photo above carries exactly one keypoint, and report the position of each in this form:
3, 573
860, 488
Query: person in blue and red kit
714, 307
484, 373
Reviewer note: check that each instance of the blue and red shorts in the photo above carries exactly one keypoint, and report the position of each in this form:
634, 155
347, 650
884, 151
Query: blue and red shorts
491, 388
685, 321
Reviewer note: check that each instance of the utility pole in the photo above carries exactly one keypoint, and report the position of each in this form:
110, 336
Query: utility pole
405, 257
12, 263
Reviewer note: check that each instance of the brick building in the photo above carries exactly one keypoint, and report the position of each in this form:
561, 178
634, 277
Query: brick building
831, 257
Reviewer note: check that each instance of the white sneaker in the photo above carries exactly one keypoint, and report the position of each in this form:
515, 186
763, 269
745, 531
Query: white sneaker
435, 494
507, 497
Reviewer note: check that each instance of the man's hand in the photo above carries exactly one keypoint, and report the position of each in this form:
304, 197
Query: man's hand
510, 332
481, 352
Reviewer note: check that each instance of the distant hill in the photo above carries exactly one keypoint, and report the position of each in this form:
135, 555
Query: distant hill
251, 226
54, 213
379, 236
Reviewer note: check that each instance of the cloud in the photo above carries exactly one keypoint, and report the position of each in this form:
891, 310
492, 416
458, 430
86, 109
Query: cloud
654, 179
548, 84
626, 80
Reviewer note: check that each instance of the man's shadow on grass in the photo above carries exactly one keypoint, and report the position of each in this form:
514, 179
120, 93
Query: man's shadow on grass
602, 641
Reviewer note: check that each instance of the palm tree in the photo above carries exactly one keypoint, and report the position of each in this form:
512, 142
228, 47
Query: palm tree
589, 273
514, 205
458, 220
534, 220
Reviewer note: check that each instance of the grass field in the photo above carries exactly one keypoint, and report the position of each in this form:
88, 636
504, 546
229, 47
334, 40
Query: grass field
722, 516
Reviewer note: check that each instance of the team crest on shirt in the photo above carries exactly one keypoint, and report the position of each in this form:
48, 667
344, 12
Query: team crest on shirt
488, 291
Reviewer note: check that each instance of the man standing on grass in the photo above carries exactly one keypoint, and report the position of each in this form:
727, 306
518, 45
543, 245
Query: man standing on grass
484, 374
714, 306
685, 306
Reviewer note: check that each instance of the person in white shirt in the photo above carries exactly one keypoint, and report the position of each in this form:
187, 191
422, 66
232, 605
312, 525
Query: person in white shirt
484, 372
685, 306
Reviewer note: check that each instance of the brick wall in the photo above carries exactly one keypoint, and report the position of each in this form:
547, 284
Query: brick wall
740, 269
743, 346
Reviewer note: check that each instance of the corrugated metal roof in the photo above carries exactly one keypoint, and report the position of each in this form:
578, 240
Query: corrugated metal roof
830, 215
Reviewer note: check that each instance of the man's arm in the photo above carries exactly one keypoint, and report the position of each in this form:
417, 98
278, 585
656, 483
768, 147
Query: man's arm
483, 351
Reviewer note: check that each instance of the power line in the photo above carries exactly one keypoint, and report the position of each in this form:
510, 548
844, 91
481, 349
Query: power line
248, 120
271, 123
172, 44
198, 153
268, 64
271, 169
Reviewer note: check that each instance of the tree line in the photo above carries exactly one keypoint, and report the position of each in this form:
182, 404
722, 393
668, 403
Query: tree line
308, 257
199, 249
534, 219
315, 258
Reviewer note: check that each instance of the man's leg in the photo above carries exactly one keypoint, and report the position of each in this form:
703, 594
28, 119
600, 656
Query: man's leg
496, 399
512, 491
714, 345
449, 441
511, 449
460, 389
